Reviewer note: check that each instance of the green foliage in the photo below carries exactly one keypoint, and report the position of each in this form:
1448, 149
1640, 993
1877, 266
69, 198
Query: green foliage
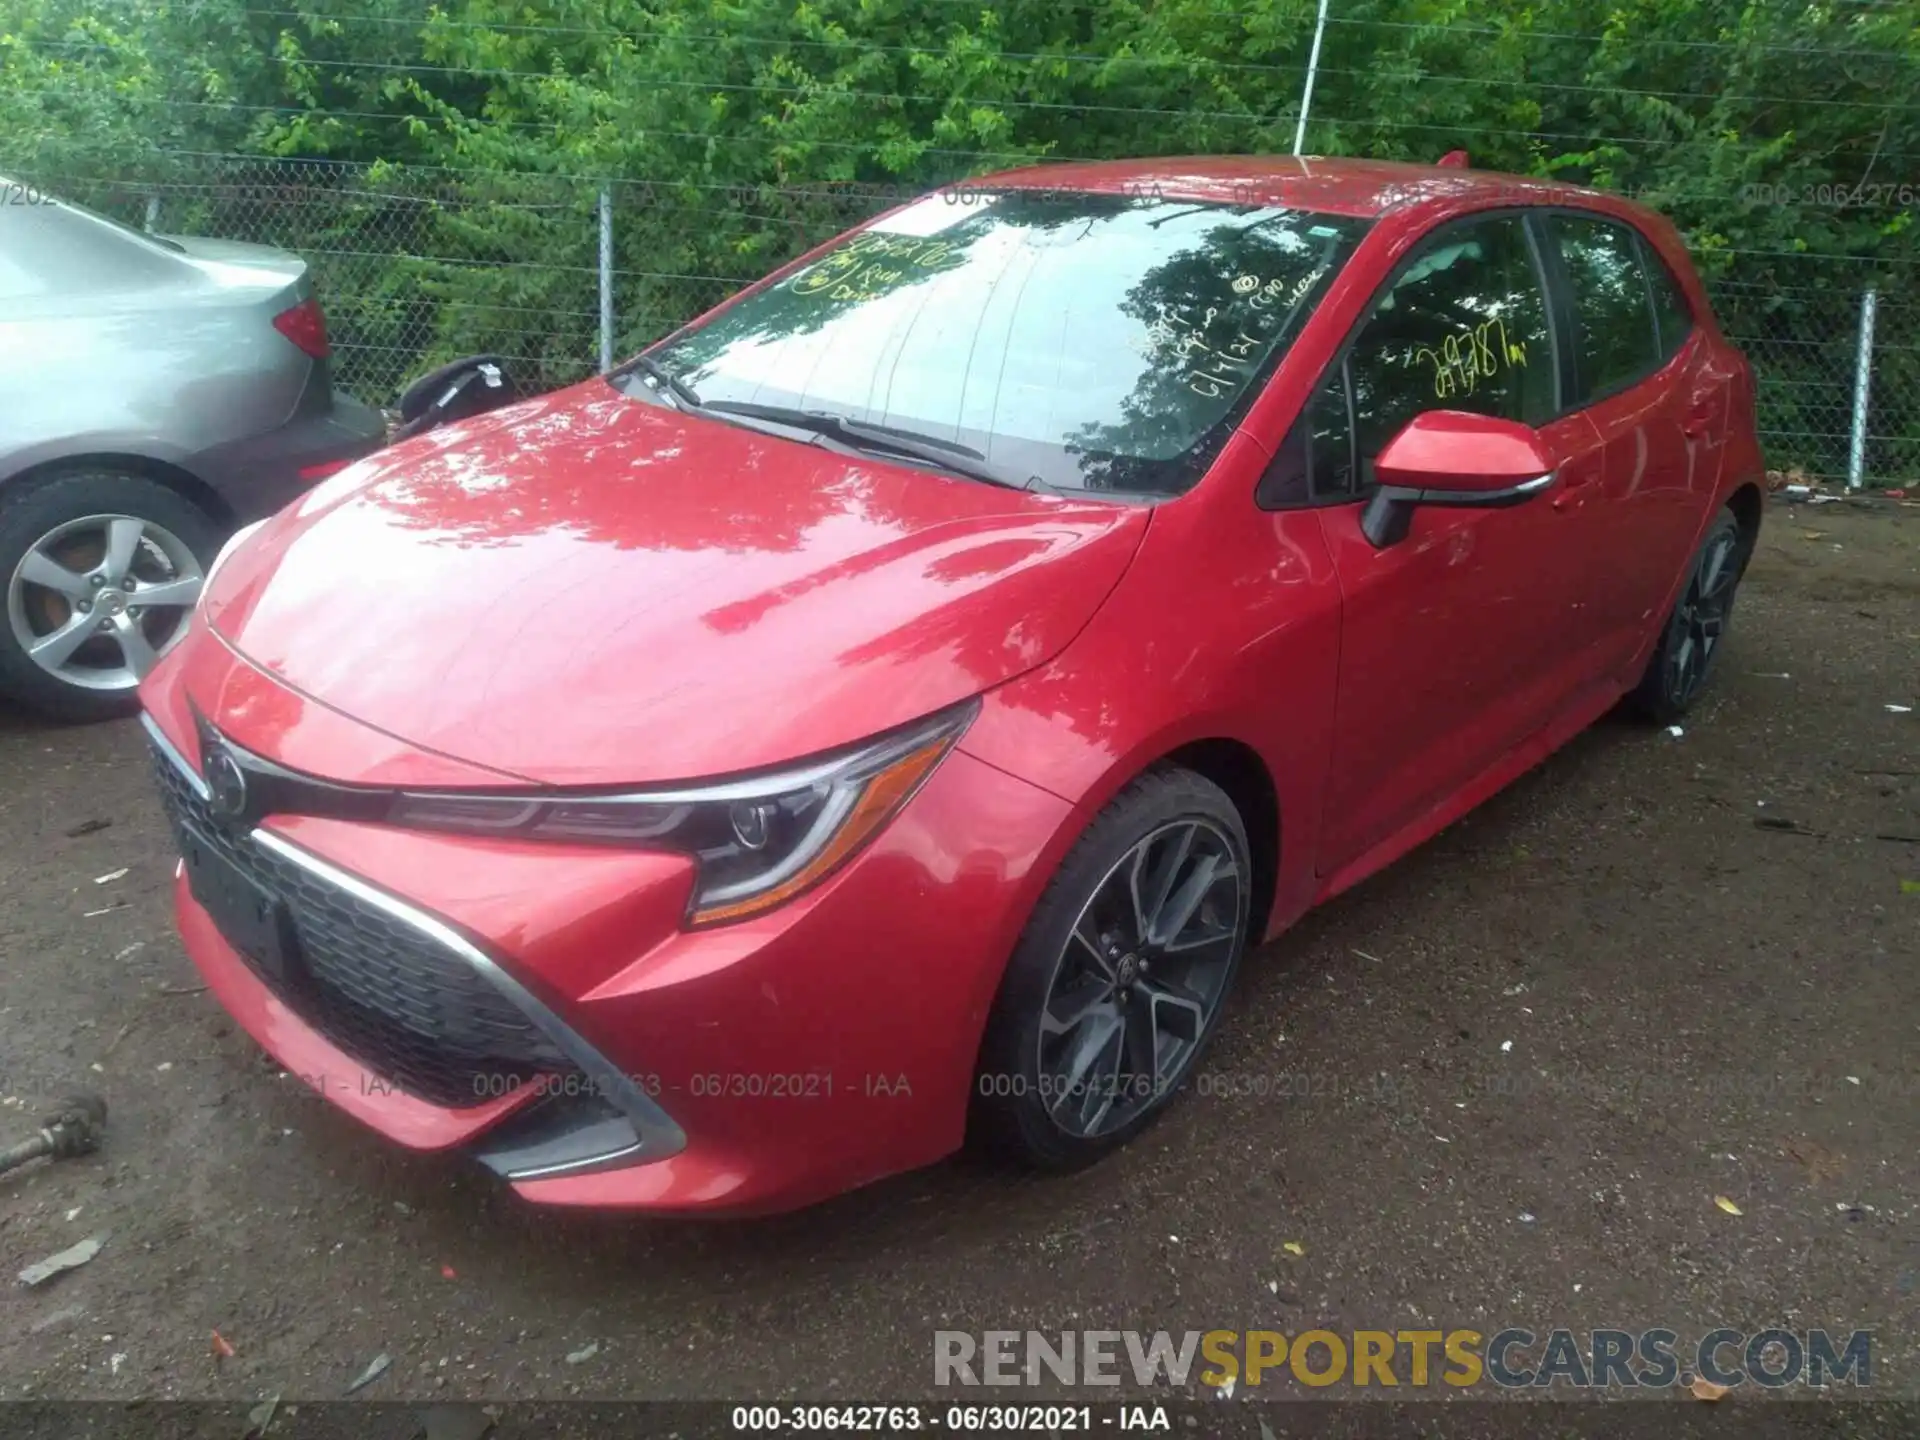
739, 131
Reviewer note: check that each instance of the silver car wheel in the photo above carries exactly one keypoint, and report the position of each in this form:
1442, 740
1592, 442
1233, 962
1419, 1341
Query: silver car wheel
96, 601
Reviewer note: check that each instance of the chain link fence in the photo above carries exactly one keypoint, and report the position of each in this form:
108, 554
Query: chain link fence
416, 265
1825, 390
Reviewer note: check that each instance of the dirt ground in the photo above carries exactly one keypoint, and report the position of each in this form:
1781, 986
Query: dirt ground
1532, 1056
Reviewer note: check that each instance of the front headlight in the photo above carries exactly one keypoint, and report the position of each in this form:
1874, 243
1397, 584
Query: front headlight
757, 841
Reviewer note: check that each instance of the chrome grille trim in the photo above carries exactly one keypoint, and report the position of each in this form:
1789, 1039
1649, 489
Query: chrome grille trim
172, 752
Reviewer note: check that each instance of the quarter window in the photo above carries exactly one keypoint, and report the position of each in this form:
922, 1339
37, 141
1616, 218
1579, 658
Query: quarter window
1316, 460
1615, 343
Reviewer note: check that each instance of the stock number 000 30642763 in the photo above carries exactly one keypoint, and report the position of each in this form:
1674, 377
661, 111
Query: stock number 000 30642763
893, 1419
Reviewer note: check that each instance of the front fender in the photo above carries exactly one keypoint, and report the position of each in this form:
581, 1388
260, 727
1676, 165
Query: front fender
1218, 631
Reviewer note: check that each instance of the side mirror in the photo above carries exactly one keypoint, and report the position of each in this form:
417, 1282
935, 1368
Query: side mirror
1451, 457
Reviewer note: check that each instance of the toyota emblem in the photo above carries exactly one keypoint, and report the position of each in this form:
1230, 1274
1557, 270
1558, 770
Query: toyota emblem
226, 783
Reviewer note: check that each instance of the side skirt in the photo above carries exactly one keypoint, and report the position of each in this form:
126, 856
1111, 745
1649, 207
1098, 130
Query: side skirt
1586, 708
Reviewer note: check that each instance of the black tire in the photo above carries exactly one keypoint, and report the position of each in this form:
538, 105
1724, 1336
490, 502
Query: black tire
1015, 1095
1696, 629
34, 509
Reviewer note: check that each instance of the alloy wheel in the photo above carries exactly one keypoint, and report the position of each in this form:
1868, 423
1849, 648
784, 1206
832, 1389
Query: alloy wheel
1141, 978
96, 601
1701, 617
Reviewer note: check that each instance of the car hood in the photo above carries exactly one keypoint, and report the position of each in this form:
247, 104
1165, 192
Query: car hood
590, 589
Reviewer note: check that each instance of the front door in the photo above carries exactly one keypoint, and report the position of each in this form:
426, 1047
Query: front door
1474, 631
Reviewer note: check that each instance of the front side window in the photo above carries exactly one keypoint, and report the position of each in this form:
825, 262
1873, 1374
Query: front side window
1096, 342
1614, 341
1462, 327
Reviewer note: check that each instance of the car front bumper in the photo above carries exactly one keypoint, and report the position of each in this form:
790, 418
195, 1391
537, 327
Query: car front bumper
746, 1068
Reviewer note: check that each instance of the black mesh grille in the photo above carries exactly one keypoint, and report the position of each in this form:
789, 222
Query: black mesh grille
396, 1000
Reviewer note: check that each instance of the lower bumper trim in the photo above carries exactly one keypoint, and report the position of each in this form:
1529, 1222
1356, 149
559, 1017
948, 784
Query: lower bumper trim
569, 1135
656, 1131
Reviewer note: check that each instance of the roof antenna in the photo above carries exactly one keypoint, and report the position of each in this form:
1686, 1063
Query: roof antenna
1313, 69
1453, 160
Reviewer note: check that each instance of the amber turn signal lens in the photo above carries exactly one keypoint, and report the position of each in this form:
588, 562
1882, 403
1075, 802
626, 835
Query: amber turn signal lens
882, 797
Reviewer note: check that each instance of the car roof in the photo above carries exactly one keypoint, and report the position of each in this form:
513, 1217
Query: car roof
1336, 186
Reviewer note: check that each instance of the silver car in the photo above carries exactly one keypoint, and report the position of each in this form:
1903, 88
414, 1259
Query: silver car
155, 392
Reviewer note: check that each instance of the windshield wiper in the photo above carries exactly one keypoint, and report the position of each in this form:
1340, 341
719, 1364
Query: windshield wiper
682, 393
886, 439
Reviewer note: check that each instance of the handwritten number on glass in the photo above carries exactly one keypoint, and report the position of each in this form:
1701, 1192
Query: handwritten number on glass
1217, 369
1469, 356
841, 277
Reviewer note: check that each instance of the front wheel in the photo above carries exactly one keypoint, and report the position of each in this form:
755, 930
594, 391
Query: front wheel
102, 571
1695, 631
1121, 976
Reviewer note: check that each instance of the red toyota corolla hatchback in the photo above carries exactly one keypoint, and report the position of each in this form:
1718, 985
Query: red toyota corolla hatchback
890, 707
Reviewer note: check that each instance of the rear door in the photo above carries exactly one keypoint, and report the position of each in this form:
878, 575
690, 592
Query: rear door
1644, 375
1469, 635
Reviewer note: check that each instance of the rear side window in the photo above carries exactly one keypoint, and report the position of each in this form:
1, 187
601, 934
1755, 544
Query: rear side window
1462, 327
1614, 341
1670, 308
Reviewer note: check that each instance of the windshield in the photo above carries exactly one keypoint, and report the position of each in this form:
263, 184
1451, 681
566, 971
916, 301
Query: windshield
1096, 342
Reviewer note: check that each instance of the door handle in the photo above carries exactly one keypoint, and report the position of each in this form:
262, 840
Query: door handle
1698, 419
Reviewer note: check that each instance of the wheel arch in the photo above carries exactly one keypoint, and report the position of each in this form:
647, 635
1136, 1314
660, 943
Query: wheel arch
1236, 767
183, 482
1209, 751
1229, 762
1748, 503
1747, 500
1241, 773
